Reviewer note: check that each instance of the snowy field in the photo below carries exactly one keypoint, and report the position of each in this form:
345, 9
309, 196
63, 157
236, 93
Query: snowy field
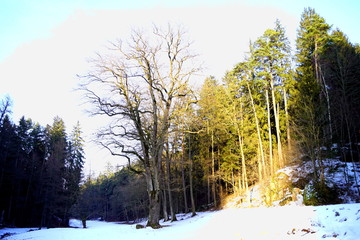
341, 222
288, 222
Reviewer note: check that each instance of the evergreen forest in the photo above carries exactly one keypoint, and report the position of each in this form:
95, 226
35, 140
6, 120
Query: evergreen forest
40, 171
189, 149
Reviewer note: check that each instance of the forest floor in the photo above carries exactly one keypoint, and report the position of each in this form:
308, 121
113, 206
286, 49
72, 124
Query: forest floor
293, 221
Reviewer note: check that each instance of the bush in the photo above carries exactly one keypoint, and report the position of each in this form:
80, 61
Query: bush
320, 193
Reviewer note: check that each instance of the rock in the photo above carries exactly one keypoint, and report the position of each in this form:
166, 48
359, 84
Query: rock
139, 226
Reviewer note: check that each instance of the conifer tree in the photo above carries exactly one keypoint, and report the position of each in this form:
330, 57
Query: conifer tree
54, 213
73, 167
238, 119
341, 69
212, 119
313, 117
271, 59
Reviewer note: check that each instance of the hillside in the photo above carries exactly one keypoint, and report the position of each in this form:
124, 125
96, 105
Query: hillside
294, 185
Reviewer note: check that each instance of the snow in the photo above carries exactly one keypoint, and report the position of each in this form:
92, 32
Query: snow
344, 175
293, 221
289, 222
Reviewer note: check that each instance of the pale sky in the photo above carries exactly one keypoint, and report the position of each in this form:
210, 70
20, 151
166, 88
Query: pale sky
44, 44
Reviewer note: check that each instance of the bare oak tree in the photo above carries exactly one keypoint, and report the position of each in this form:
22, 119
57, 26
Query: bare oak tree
136, 84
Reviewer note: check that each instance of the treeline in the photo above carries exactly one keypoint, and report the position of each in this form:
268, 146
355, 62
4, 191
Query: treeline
40, 171
274, 107
270, 109
120, 194
112, 196
188, 149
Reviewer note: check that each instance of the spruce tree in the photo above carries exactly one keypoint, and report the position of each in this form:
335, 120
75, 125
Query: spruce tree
54, 213
312, 113
272, 64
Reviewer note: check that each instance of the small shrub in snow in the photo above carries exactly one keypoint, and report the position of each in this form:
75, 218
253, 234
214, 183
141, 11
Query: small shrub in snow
316, 194
139, 226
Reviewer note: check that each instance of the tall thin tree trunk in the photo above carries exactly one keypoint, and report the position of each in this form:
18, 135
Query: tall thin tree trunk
277, 125
208, 189
168, 180
186, 208
327, 104
259, 165
213, 169
193, 208
262, 157
271, 158
240, 182
244, 178
164, 204
232, 182
193, 212
352, 156
288, 134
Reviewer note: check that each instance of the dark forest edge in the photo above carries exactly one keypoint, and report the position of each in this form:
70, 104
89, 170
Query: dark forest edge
235, 133
40, 171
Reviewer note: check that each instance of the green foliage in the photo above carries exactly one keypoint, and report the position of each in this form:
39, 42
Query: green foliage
229, 141
37, 182
239, 109
310, 44
263, 96
341, 69
119, 196
320, 193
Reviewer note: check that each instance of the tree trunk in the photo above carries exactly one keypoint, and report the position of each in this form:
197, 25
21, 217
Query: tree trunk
186, 208
244, 178
153, 188
208, 189
154, 209
164, 204
83, 221
277, 125
213, 186
173, 215
262, 159
352, 155
271, 158
191, 182
327, 96
288, 135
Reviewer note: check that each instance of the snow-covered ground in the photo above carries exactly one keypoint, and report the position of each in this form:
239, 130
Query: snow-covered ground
345, 176
288, 222
294, 221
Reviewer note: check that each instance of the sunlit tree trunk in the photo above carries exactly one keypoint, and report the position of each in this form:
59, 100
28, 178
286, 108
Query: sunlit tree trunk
261, 149
213, 182
271, 158
277, 125
208, 189
244, 178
